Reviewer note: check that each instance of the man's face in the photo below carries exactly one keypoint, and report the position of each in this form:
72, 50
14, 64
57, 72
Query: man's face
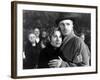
66, 26
37, 32
32, 37
56, 39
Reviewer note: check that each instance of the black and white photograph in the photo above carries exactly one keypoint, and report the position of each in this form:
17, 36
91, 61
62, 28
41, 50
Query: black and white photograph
53, 39
47, 42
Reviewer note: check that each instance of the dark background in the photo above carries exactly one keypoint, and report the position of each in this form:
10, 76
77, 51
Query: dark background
45, 20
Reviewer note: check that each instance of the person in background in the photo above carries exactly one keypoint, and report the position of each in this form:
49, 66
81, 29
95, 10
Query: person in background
44, 39
74, 50
37, 33
82, 36
32, 51
51, 52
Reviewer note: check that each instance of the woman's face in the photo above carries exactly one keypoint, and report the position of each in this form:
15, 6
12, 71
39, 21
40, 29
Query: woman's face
56, 39
32, 37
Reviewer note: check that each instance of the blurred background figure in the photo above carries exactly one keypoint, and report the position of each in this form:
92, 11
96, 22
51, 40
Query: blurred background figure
44, 39
44, 34
32, 39
82, 36
32, 50
37, 33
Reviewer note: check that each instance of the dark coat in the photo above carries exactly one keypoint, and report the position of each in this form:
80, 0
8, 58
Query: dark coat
48, 54
75, 51
32, 54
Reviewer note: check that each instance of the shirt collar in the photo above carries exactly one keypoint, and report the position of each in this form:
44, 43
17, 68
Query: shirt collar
37, 40
68, 37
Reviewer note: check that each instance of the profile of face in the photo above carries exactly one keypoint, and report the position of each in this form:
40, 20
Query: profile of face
32, 37
37, 32
56, 39
66, 26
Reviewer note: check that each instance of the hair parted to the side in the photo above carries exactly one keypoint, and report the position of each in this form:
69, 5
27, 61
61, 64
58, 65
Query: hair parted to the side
52, 31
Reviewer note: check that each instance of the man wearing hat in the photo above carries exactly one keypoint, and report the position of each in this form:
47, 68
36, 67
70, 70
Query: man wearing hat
74, 50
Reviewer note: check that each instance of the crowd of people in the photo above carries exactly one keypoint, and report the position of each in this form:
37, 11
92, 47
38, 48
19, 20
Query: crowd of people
61, 48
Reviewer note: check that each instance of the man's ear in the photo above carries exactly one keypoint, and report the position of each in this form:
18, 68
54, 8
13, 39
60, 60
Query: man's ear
72, 26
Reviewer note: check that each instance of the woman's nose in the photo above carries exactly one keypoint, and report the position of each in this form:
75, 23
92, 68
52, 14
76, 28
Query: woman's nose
57, 38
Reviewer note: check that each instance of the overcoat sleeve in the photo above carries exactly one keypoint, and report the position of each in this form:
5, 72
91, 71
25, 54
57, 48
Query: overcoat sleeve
82, 56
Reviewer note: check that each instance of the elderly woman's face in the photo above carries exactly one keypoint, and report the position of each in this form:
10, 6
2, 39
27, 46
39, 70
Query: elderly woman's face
56, 39
32, 37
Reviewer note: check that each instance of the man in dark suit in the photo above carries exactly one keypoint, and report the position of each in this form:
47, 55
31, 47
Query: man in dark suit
74, 50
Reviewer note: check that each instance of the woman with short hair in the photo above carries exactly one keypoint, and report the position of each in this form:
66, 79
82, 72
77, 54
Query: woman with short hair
51, 52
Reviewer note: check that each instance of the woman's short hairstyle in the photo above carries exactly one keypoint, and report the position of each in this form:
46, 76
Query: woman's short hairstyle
52, 31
